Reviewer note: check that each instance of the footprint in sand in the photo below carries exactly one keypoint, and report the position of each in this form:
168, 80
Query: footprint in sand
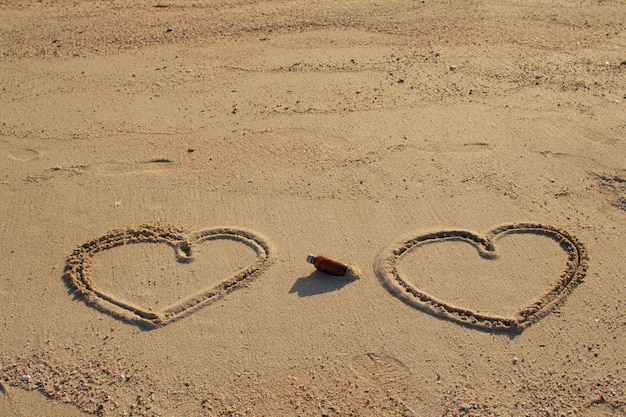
395, 380
386, 371
603, 409
17, 152
615, 185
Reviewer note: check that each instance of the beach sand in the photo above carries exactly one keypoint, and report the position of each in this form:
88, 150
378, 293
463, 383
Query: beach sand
166, 167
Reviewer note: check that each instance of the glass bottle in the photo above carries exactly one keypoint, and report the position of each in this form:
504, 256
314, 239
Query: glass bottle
327, 265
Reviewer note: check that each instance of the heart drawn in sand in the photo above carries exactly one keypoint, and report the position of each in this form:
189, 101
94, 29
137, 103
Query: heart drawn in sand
573, 273
78, 270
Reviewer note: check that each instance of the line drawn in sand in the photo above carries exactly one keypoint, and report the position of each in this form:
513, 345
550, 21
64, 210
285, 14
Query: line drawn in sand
78, 275
573, 274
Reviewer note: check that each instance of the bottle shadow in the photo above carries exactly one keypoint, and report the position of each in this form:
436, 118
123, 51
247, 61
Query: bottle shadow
317, 283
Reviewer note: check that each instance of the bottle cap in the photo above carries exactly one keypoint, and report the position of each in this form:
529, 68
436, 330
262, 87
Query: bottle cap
310, 258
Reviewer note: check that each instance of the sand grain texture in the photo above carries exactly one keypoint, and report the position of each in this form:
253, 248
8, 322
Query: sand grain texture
345, 129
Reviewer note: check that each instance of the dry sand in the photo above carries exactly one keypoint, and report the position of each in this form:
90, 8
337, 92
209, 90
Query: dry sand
165, 168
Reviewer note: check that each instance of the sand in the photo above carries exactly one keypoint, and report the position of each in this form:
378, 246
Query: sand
166, 167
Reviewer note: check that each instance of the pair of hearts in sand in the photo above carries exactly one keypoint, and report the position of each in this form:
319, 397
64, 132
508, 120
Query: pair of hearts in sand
78, 275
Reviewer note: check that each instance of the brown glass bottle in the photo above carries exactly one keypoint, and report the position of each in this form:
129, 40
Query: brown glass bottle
327, 265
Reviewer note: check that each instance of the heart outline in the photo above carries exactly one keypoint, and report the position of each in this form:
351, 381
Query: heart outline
78, 266
574, 273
